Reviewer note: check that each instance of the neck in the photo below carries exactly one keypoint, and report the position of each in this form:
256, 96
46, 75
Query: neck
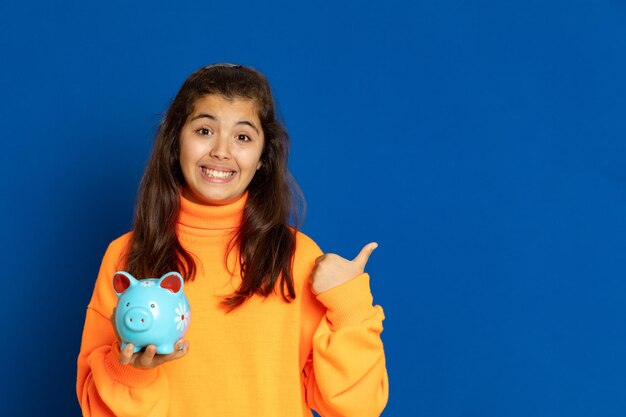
202, 216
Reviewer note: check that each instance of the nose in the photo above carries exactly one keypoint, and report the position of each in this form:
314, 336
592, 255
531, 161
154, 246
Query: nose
138, 319
220, 148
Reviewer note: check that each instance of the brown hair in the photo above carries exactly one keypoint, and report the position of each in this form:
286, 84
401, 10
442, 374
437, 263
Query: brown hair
264, 239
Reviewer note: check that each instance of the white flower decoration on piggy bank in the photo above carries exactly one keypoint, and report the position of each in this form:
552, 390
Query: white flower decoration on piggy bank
182, 317
151, 311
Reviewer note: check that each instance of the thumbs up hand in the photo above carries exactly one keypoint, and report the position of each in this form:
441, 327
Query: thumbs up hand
332, 270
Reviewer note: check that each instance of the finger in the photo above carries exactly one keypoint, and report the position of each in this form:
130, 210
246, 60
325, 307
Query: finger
185, 349
363, 256
146, 358
126, 354
180, 344
320, 259
180, 349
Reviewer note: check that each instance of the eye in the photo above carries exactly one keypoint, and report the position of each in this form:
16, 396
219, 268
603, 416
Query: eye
243, 138
152, 305
204, 131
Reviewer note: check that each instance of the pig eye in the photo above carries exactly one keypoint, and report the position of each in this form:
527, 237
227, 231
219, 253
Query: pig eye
127, 304
152, 305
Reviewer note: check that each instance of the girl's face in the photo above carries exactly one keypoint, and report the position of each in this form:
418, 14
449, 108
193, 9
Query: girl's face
220, 149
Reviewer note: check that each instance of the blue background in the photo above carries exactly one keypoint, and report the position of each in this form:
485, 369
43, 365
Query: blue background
482, 144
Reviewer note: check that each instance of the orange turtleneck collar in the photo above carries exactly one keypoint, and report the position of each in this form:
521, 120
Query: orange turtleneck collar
200, 216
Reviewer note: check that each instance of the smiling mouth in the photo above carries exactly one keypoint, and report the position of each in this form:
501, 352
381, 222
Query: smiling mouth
212, 173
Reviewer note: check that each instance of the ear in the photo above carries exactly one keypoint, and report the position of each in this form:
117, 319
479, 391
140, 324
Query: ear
258, 166
172, 281
122, 280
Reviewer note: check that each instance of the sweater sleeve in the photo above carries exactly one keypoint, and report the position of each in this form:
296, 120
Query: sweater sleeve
105, 387
345, 374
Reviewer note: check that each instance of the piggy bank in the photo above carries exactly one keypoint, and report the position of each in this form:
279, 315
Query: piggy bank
152, 311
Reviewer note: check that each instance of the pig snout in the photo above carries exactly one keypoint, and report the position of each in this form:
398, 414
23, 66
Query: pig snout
138, 319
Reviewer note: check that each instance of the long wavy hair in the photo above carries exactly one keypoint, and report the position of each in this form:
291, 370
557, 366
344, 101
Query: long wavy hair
264, 239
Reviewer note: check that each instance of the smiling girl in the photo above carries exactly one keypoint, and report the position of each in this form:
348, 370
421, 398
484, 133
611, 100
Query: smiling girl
279, 328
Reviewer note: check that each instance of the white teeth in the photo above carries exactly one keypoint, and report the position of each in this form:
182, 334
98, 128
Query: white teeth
217, 174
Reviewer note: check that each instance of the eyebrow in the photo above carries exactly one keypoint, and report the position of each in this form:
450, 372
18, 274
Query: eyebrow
240, 122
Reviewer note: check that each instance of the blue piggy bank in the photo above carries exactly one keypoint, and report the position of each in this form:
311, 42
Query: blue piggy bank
152, 311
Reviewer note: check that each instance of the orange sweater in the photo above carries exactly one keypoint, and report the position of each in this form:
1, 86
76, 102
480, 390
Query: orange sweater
267, 358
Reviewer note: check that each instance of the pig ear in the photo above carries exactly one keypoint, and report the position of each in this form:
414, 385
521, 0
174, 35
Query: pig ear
122, 280
172, 281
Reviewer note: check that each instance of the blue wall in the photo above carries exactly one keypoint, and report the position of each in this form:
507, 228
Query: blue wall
481, 144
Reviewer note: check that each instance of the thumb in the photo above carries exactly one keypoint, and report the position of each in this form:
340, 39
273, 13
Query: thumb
363, 256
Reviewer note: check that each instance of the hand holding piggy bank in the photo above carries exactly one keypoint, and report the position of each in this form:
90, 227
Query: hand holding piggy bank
152, 311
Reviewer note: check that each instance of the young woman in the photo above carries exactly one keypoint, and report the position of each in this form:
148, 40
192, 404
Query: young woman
278, 327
